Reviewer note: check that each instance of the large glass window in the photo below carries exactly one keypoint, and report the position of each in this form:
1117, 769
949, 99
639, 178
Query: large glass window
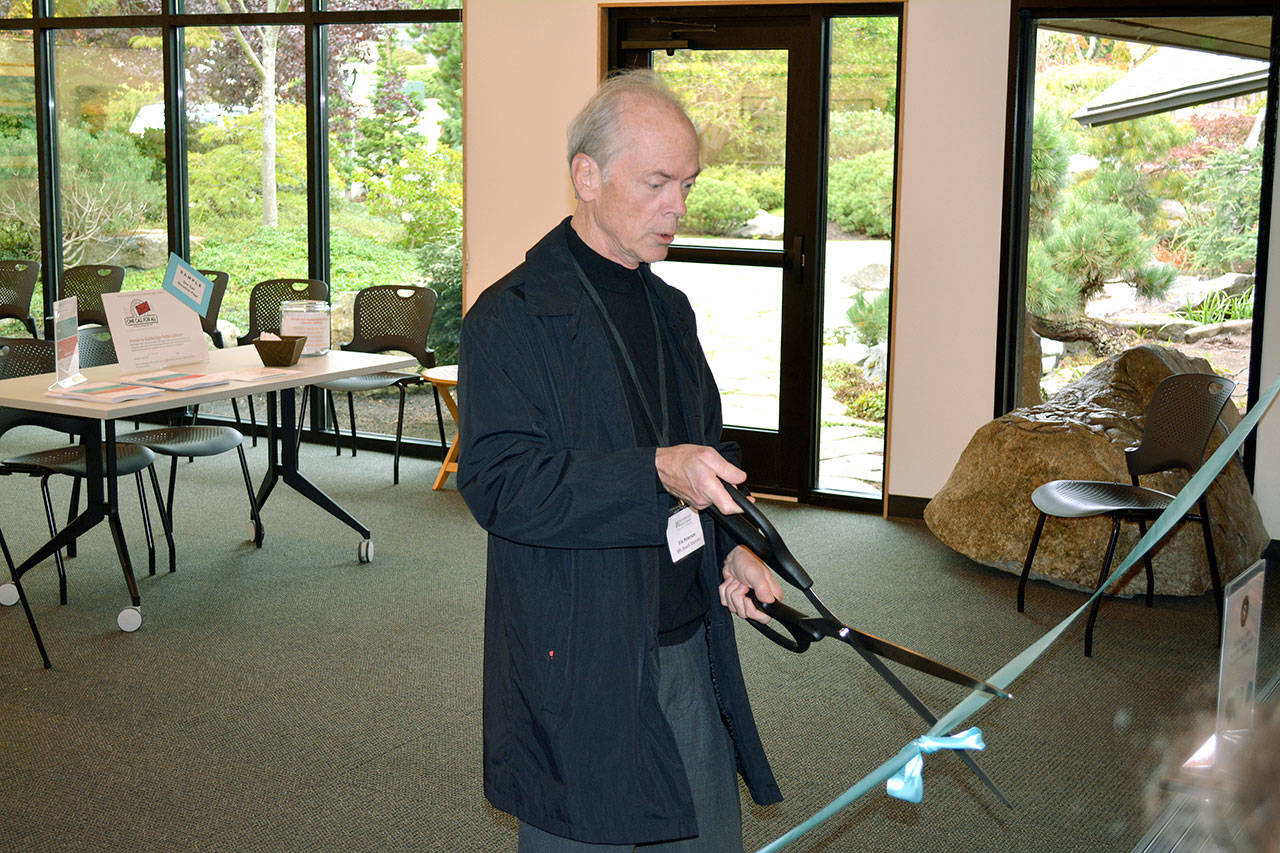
1144, 187
204, 140
247, 156
395, 199
110, 148
19, 200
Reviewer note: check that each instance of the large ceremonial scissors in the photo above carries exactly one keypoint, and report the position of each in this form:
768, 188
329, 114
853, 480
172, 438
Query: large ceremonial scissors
753, 530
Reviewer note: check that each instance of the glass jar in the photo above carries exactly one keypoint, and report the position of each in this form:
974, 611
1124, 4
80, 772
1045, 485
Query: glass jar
308, 317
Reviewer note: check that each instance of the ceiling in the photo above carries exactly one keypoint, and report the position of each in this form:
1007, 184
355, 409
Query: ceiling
1242, 36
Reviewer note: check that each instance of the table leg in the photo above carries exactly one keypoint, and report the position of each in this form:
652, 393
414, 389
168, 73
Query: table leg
283, 463
450, 463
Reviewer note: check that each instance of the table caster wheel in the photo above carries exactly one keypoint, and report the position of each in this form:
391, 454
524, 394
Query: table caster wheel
365, 552
8, 594
130, 619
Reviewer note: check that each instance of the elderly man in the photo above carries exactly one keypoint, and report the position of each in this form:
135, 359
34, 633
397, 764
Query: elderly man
615, 712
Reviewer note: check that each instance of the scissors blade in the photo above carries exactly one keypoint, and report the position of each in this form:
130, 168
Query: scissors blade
917, 705
915, 660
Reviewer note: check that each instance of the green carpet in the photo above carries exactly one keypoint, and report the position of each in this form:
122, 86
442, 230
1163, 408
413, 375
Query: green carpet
289, 698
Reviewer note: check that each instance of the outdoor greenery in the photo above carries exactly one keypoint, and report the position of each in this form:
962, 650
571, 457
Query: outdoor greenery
870, 317
860, 193
717, 207
863, 397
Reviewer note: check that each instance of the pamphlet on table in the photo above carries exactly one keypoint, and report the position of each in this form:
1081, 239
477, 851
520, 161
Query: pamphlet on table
106, 392
66, 344
172, 380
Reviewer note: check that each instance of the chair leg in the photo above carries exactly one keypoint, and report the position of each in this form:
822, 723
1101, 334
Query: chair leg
439, 417
253, 420
1213, 560
1102, 577
1026, 566
72, 508
1146, 559
253, 500
53, 531
395, 466
166, 508
333, 418
146, 524
235, 410
351, 418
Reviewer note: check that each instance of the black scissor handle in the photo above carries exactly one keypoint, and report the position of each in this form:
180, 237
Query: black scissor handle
801, 628
755, 531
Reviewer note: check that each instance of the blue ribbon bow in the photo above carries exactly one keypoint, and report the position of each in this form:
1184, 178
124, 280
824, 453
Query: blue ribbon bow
908, 783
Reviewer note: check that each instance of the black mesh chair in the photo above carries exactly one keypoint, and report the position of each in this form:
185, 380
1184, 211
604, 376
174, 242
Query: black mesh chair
87, 283
386, 318
26, 357
264, 316
17, 285
1177, 426
209, 322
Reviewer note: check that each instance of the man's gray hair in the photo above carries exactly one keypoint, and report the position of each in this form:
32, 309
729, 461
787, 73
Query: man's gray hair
594, 130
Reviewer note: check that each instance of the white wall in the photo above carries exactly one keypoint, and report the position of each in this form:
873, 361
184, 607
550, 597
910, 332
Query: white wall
946, 290
531, 63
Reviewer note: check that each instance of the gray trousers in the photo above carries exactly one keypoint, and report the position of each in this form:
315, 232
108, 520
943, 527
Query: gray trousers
689, 703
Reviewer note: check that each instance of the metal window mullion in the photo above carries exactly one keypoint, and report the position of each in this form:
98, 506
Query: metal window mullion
48, 186
174, 46
316, 46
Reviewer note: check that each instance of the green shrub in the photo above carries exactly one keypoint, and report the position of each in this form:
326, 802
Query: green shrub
1153, 280
869, 406
1048, 293
846, 380
1221, 231
766, 186
1219, 307
441, 262
1051, 149
860, 194
717, 207
856, 132
1100, 242
870, 319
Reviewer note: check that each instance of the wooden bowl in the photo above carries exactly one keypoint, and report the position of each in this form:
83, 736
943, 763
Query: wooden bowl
281, 353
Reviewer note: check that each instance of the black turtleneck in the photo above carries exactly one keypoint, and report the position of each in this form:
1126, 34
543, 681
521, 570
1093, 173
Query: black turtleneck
682, 602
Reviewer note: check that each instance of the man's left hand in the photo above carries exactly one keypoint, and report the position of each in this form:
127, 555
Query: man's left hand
745, 573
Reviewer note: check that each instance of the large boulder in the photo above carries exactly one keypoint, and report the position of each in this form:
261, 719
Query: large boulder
985, 512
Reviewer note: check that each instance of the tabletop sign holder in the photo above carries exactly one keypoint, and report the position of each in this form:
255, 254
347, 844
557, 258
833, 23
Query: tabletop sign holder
153, 329
66, 337
1238, 669
188, 284
1210, 766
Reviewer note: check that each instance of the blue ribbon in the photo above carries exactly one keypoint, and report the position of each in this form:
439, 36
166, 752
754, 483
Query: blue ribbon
1186, 498
908, 783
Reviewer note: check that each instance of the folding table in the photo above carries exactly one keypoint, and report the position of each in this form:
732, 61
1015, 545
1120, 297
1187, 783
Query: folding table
96, 420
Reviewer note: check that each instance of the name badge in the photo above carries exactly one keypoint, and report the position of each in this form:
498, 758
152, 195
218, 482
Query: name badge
684, 533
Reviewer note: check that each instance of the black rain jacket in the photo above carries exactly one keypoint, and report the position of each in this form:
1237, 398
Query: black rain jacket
574, 740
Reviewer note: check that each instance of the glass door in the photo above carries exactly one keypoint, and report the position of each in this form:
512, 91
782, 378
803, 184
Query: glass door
750, 255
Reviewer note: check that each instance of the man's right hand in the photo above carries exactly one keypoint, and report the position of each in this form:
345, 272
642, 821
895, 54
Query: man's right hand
692, 472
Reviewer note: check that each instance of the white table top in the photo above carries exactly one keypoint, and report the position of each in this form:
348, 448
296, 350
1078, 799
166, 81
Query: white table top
30, 392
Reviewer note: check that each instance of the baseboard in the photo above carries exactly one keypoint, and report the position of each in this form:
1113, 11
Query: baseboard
902, 506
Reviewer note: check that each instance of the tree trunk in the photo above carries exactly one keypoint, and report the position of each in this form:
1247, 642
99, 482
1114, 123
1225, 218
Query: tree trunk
270, 206
1105, 338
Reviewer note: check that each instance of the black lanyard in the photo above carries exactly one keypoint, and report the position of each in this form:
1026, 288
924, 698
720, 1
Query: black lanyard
663, 431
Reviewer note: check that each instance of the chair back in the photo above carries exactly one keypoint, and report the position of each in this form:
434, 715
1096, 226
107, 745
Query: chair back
25, 357
265, 299
17, 284
87, 283
22, 357
394, 317
96, 347
209, 322
1179, 420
